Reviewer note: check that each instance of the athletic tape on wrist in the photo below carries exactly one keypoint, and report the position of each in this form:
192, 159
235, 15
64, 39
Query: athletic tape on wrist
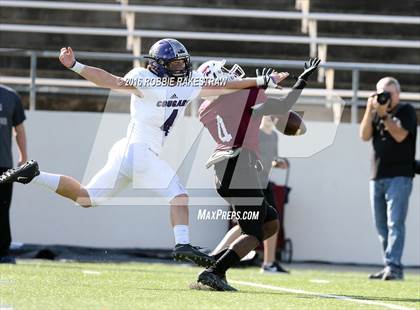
260, 80
77, 67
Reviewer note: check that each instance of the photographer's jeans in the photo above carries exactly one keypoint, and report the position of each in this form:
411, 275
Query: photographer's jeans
389, 200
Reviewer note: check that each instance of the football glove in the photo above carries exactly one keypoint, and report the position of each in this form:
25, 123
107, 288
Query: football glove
309, 67
264, 80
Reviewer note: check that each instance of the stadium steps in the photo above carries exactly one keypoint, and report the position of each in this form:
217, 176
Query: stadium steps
19, 66
61, 17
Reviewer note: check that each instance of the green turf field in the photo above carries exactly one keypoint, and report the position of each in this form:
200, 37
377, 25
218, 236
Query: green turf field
56, 285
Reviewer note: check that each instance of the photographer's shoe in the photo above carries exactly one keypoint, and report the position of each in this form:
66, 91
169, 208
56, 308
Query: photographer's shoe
393, 274
377, 276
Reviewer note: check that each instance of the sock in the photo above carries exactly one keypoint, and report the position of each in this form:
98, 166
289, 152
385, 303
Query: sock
182, 234
220, 254
48, 180
229, 259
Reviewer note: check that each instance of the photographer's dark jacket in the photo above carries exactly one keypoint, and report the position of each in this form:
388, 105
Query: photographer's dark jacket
390, 158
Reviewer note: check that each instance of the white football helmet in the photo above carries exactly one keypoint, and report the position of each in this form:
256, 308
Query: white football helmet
216, 69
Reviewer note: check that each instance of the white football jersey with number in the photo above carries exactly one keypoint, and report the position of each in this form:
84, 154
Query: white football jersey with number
153, 115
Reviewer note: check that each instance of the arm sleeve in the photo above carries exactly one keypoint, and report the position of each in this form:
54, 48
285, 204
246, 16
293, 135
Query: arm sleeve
273, 106
18, 113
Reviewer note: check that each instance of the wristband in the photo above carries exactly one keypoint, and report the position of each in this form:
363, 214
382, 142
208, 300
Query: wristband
77, 67
300, 84
260, 80
265, 81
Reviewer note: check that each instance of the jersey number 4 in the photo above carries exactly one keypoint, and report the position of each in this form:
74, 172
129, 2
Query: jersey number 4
222, 132
169, 122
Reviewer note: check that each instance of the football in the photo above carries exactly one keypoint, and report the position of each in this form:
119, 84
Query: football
290, 124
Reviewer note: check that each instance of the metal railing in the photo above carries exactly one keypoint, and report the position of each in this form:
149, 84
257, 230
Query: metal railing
318, 45
242, 37
37, 84
173, 10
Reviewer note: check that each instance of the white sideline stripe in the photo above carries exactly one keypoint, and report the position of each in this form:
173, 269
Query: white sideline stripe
91, 272
295, 291
319, 281
6, 282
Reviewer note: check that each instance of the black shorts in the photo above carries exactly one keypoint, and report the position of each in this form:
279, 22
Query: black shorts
238, 182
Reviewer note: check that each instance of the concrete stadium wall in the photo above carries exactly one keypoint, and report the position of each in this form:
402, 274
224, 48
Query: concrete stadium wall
328, 216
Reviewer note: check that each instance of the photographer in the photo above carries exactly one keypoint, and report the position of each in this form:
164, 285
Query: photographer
393, 129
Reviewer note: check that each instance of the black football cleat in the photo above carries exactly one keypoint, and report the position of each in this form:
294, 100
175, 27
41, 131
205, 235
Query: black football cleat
22, 174
216, 282
201, 287
189, 253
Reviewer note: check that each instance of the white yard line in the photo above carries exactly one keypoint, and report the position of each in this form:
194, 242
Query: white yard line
6, 282
92, 272
295, 291
319, 281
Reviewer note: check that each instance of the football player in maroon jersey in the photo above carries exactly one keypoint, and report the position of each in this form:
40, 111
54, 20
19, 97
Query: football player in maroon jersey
233, 121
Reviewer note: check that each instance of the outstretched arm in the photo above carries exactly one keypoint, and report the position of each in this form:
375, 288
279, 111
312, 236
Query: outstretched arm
273, 106
99, 77
271, 80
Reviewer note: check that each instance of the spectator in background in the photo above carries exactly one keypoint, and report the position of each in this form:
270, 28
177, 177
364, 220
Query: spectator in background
393, 129
269, 159
12, 116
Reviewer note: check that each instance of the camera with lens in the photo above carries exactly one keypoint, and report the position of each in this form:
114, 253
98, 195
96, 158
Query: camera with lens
383, 97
